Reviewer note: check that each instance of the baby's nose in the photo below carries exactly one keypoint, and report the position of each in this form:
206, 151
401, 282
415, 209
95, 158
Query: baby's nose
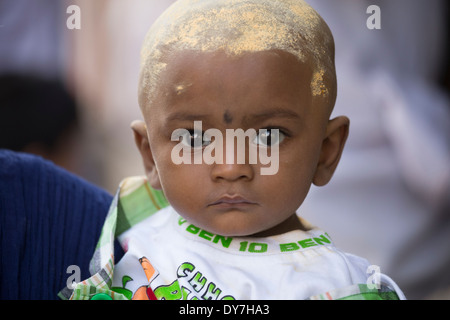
232, 172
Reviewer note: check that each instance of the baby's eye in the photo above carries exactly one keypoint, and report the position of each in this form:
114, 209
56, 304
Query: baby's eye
195, 139
269, 137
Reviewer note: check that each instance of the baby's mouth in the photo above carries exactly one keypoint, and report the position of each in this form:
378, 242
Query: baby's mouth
231, 201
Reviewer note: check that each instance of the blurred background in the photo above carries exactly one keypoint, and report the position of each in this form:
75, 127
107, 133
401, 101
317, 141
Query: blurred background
69, 95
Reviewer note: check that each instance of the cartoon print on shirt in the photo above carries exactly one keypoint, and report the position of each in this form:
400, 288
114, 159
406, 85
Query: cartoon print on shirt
195, 285
191, 285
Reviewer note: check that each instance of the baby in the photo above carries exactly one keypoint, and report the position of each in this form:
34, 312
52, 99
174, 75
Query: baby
207, 222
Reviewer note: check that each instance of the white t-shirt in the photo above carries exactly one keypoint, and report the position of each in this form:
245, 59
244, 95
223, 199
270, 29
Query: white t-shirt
178, 260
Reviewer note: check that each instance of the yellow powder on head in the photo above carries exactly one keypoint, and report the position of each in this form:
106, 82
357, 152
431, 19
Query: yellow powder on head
237, 27
318, 87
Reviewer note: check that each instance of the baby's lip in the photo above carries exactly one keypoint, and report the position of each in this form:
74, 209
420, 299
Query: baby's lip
232, 200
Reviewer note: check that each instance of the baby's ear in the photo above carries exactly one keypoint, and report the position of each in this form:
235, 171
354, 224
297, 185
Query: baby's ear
332, 147
142, 143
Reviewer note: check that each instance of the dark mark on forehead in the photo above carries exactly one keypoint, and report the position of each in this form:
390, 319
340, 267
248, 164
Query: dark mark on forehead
227, 118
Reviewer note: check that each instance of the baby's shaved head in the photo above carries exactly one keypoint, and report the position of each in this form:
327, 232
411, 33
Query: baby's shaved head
237, 27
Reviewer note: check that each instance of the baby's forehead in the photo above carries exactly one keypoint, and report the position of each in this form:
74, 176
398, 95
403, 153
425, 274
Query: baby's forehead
257, 70
213, 86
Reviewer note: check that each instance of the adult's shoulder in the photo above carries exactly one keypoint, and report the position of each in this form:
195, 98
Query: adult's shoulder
50, 219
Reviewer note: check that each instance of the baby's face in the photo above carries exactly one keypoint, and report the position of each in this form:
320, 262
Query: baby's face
262, 90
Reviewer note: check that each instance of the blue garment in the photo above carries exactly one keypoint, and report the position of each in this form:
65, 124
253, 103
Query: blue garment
49, 219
